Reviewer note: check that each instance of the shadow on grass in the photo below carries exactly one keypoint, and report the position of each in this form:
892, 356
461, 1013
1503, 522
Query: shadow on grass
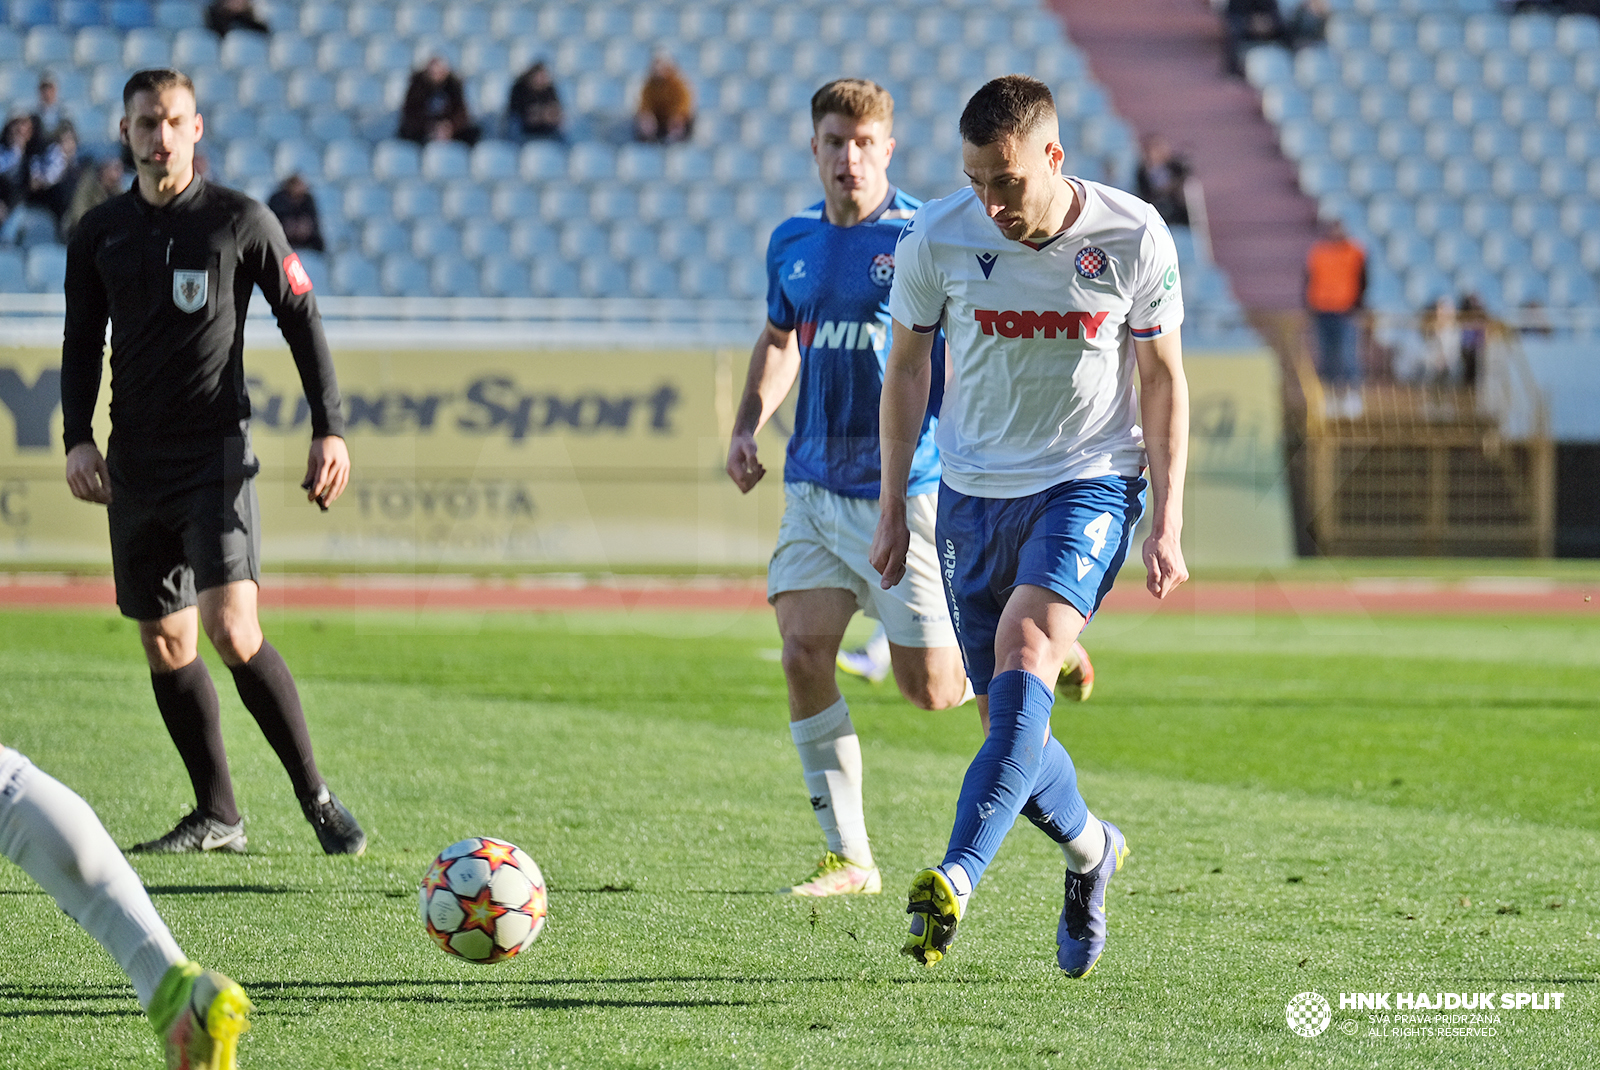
80, 997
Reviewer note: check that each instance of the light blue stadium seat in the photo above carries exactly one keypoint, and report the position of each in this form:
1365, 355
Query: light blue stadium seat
541, 160
1445, 139
1402, 71
885, 26
46, 46
179, 14
195, 48
843, 25
1484, 214
1577, 34
1331, 102
1455, 70
1521, 105
1589, 251
394, 159
729, 239
629, 241
1399, 139
640, 163
415, 199
359, 92
1547, 70
1392, 33
307, 89
1571, 288
1486, 34
276, 124
1502, 70
681, 241
354, 275
761, 205
1548, 248
46, 268
1390, 212
1583, 142
297, 158
1351, 139
146, 48
581, 238
1464, 177
662, 202
687, 163
106, 82
792, 24
554, 277
381, 237
328, 124
735, 165
561, 202
317, 19
1453, 248
93, 45
1406, 249
576, 56
1320, 175
702, 22
316, 266
1561, 178
71, 14
481, 56
1345, 32
14, 272
1541, 141
1477, 280
1440, 33
403, 275
368, 20
242, 50
1371, 175
347, 159
1470, 106
513, 200
446, 161
435, 237
784, 164
262, 88
466, 22
749, 24
386, 54
600, 276
1357, 69
511, 20
1570, 105
465, 199
704, 278
1298, 138
246, 159
592, 162
1504, 251
338, 52
1424, 285
130, 14
1491, 141
532, 239
652, 278
1428, 104
419, 20
289, 52
11, 46
1532, 33
482, 237
493, 161
1435, 215
1580, 214
502, 276
613, 200
1532, 217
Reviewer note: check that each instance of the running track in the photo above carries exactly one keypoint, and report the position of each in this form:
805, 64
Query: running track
1486, 595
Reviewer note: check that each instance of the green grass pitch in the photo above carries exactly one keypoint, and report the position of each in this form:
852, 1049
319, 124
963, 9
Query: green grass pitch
1330, 804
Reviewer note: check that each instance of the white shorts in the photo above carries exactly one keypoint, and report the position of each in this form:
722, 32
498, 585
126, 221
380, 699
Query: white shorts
824, 541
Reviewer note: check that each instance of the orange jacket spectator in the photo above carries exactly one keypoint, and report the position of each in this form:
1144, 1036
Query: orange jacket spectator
1336, 272
666, 104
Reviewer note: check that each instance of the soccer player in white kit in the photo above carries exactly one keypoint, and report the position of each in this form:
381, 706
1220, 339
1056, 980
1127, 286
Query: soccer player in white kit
829, 269
1040, 281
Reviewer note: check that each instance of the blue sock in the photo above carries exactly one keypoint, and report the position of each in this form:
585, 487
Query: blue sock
1001, 778
1056, 806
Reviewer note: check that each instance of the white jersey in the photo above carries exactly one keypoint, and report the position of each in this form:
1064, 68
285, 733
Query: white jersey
1042, 388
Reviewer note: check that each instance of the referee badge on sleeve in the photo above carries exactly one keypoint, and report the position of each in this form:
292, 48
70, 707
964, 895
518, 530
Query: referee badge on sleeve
189, 290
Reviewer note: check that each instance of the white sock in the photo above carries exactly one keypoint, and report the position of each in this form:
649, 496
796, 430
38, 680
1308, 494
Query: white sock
967, 694
957, 874
49, 831
830, 757
1085, 850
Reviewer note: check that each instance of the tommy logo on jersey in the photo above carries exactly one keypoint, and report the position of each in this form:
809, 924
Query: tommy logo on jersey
299, 281
882, 269
189, 290
1029, 324
1091, 261
986, 261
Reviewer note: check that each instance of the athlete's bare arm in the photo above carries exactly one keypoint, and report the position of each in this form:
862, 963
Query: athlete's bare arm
906, 379
1164, 412
774, 365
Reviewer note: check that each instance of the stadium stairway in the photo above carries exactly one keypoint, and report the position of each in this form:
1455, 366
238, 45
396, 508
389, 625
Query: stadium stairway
1160, 61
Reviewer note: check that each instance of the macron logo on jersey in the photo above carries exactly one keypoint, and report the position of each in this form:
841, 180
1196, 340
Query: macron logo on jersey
1029, 324
839, 334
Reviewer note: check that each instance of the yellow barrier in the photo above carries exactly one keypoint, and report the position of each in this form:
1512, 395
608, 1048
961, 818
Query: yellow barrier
587, 459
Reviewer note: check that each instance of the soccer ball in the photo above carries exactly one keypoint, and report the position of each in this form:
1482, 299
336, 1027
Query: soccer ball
483, 900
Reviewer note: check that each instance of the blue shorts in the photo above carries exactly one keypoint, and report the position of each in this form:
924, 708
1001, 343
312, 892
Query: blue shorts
1070, 539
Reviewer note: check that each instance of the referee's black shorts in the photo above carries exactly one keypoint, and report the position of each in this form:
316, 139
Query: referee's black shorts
167, 547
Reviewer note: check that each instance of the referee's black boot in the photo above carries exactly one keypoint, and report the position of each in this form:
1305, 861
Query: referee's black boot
194, 834
337, 828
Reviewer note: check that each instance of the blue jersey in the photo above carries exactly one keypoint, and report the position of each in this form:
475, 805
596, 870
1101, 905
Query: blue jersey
830, 285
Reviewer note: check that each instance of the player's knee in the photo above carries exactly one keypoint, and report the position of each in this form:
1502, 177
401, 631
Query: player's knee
805, 659
236, 640
932, 692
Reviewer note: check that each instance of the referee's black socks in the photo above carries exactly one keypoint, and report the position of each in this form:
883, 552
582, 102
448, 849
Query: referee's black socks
268, 692
188, 702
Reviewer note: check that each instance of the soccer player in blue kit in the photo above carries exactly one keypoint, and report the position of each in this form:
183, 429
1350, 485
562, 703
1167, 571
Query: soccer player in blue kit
1041, 282
829, 269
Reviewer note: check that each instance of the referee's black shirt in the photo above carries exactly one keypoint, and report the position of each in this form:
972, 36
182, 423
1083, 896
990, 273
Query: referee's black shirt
175, 282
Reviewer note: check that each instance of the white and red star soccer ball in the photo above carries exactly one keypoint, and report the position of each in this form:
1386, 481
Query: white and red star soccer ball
483, 900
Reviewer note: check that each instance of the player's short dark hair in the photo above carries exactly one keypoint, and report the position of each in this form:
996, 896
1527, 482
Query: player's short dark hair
155, 80
1007, 109
854, 98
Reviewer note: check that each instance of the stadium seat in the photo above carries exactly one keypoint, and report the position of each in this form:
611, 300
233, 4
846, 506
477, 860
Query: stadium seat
630, 241
92, 45
1541, 141
626, 57
415, 199
317, 19
465, 199
262, 88
367, 200
403, 275
296, 158
600, 276
1359, 70
554, 277
1531, 218
1571, 288
1351, 140
1548, 70
357, 92
1427, 104
1454, 70
72, 14
1389, 213
652, 278
1392, 33
245, 159
702, 23
1298, 138
445, 161
1502, 250
481, 56
353, 275
1502, 70
290, 52
747, 277
661, 202
687, 163
514, 200
1321, 175
329, 124
541, 160
1485, 214
1464, 177
178, 14
1424, 285
307, 89
641, 163
13, 272
419, 20
576, 56
241, 50
1548, 249
337, 52
501, 276
484, 237
580, 238
46, 46
394, 159
467, 22
1521, 105
276, 124
385, 54
509, 20
195, 48
146, 48
561, 201
682, 241
531, 240
1407, 249
380, 237
613, 200
703, 278
1436, 216
493, 161
46, 267
1440, 34
1561, 178
1331, 102
435, 237
1577, 34
1399, 139
591, 162
1492, 141
1445, 140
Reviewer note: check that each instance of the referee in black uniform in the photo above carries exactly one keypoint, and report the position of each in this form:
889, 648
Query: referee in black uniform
171, 264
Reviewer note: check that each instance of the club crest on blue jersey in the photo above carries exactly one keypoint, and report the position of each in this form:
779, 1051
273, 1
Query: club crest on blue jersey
987, 261
1091, 261
882, 269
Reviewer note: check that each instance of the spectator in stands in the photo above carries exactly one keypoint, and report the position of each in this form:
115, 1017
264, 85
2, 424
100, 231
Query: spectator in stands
96, 186
48, 114
1247, 23
1474, 338
296, 209
15, 138
1160, 180
666, 104
534, 110
53, 173
1440, 362
435, 107
1307, 24
224, 16
1336, 284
